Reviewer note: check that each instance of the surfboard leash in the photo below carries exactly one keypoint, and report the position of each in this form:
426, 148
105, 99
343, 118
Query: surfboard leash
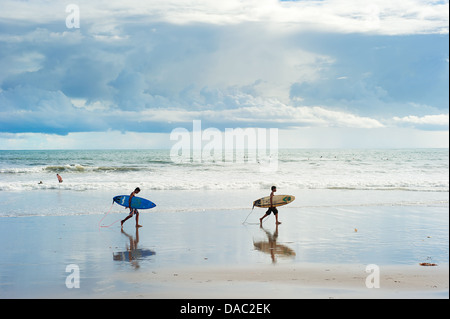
249, 214
106, 226
245, 221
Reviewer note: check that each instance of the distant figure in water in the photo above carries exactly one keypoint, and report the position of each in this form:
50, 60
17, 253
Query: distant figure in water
133, 211
59, 178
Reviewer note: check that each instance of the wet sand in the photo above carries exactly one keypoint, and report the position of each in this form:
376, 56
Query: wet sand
285, 281
315, 253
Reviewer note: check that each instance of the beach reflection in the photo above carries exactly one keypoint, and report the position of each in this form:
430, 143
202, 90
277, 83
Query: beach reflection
271, 247
133, 254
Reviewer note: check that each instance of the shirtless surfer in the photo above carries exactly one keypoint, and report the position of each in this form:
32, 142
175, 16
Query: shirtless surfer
271, 209
133, 211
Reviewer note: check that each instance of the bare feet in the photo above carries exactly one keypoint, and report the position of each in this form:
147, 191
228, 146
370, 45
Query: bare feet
137, 226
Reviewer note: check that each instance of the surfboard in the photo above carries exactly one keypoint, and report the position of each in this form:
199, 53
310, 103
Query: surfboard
277, 200
133, 254
274, 248
136, 202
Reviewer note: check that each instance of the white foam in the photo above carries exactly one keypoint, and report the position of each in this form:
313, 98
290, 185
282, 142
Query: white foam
412, 170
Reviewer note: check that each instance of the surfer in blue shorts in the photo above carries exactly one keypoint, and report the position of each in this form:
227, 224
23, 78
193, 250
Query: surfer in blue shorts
133, 211
271, 209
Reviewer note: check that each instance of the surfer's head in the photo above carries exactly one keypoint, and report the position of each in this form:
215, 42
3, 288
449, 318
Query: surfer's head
137, 190
274, 188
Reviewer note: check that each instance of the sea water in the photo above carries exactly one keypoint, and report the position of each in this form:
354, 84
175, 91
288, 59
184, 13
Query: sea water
363, 207
29, 186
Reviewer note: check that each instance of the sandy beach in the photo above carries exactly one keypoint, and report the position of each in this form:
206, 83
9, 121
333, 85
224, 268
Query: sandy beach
307, 281
317, 252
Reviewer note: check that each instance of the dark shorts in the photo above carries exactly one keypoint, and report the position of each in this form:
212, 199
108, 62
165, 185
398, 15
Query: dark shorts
273, 210
133, 212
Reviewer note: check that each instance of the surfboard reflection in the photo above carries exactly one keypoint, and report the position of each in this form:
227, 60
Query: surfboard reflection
271, 247
133, 254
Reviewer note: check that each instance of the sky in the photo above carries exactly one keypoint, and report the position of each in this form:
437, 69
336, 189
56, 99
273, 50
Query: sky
125, 74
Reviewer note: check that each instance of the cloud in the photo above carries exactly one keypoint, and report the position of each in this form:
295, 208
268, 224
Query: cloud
439, 121
259, 113
151, 66
379, 16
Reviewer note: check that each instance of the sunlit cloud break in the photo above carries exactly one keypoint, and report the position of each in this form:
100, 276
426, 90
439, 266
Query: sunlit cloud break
440, 120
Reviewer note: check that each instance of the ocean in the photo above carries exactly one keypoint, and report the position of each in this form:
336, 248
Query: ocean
352, 207
317, 177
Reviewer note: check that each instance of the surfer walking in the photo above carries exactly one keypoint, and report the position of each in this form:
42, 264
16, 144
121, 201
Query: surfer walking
271, 209
133, 211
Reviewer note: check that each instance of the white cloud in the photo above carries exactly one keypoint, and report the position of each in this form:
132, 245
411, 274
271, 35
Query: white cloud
94, 106
256, 111
439, 120
377, 16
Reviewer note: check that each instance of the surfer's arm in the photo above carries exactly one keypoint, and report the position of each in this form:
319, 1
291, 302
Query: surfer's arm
271, 196
129, 200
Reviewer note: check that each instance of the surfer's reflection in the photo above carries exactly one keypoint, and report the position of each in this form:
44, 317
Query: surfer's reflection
271, 247
133, 254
